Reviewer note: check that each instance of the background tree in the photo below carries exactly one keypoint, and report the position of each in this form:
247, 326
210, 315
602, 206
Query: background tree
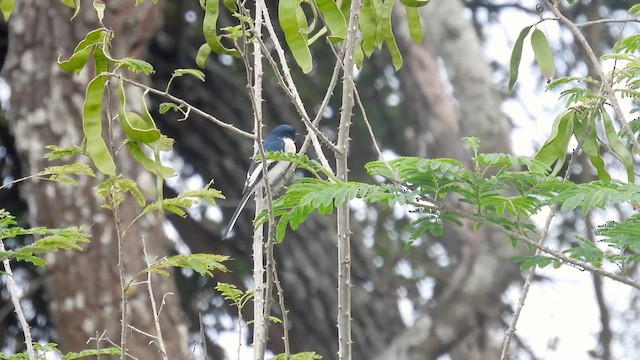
82, 290
455, 283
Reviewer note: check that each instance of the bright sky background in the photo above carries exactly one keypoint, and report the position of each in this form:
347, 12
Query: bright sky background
560, 319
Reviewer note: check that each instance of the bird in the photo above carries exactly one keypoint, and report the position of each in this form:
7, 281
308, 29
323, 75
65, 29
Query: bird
281, 138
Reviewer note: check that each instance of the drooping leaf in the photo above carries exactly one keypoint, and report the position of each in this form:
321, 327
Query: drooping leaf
92, 126
82, 51
150, 165
292, 20
616, 144
516, 55
368, 25
6, 6
415, 25
193, 72
387, 33
554, 149
415, 3
542, 53
210, 29
334, 19
203, 53
137, 127
591, 147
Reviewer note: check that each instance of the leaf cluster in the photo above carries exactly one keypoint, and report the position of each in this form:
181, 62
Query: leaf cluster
50, 240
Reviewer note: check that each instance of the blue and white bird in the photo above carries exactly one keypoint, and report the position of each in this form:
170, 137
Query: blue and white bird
281, 139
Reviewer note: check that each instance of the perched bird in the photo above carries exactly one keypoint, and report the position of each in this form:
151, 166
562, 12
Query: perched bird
281, 138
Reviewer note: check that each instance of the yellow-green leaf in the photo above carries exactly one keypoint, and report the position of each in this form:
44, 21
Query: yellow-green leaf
291, 24
210, 29
368, 26
81, 53
333, 17
137, 127
387, 31
203, 53
543, 54
415, 3
516, 55
136, 151
92, 126
415, 25
554, 149
6, 6
193, 72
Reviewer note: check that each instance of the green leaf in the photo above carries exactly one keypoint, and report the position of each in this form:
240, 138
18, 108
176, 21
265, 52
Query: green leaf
591, 148
203, 53
635, 10
92, 126
92, 352
616, 145
6, 6
149, 164
203, 264
164, 107
414, 23
516, 55
193, 72
136, 66
387, 32
82, 51
415, 3
210, 29
554, 149
368, 26
334, 18
531, 261
58, 152
292, 21
543, 54
69, 3
137, 127
308, 355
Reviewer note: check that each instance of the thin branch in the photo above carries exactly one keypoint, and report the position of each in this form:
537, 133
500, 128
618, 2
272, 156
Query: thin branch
121, 276
342, 171
575, 30
15, 299
183, 103
543, 235
606, 21
156, 312
284, 311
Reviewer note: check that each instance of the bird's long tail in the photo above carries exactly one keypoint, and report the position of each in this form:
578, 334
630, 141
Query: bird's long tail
236, 214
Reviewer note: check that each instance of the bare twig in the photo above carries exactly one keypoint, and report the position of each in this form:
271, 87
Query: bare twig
15, 299
121, 274
284, 311
532, 271
156, 312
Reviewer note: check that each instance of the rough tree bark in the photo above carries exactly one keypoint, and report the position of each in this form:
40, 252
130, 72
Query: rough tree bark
82, 287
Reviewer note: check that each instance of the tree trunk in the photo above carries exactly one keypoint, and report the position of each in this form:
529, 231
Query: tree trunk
83, 287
